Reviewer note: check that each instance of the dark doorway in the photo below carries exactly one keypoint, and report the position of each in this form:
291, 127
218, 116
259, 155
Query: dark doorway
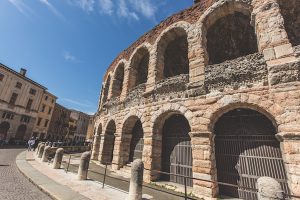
177, 150
137, 142
21, 131
4, 127
108, 145
246, 149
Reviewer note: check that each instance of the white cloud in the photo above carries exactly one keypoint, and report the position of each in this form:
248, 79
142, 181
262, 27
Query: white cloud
86, 5
106, 6
21, 7
145, 7
77, 103
68, 56
52, 8
123, 11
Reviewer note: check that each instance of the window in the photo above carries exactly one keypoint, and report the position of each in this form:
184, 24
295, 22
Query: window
46, 98
43, 108
39, 121
29, 104
8, 115
32, 91
1, 77
52, 100
25, 118
19, 85
13, 99
49, 112
46, 122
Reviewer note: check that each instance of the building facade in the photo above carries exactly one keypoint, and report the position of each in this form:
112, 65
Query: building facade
91, 129
212, 93
59, 123
78, 125
20, 98
44, 116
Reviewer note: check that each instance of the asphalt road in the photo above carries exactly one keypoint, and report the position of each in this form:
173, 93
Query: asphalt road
13, 185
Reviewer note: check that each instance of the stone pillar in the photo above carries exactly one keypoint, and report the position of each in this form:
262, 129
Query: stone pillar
136, 181
41, 150
269, 25
46, 152
204, 166
58, 158
84, 166
269, 189
38, 148
116, 152
96, 147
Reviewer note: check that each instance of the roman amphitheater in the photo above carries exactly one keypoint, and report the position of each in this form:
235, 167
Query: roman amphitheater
213, 93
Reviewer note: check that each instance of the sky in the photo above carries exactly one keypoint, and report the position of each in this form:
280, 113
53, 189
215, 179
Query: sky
67, 45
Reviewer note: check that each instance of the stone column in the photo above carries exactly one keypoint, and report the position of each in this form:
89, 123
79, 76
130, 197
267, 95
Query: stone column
84, 166
38, 148
41, 150
96, 147
204, 166
116, 152
58, 158
269, 189
136, 181
46, 152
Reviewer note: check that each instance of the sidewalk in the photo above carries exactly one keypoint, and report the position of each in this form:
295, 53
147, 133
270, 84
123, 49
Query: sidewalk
63, 186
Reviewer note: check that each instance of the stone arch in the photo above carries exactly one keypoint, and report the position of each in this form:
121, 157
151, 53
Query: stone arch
108, 144
139, 66
172, 48
232, 106
164, 146
231, 19
97, 141
4, 127
132, 135
21, 132
106, 88
118, 80
291, 15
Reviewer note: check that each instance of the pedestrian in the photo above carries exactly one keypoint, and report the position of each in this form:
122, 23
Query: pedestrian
36, 142
30, 143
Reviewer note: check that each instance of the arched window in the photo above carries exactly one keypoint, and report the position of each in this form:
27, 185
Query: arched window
106, 89
118, 81
139, 68
230, 37
290, 11
21, 131
174, 48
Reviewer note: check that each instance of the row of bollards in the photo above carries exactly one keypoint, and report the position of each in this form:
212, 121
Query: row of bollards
135, 190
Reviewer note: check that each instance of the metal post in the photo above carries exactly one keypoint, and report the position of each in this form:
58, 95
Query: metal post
68, 163
104, 176
185, 193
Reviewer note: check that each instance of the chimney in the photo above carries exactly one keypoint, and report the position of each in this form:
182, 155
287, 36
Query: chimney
23, 72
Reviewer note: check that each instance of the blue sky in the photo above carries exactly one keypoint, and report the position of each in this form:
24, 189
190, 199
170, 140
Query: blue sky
66, 45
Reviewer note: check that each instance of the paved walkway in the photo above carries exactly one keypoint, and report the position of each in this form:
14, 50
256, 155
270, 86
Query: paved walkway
64, 186
13, 185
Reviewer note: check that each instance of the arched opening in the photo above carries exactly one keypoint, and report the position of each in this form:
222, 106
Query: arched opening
21, 131
176, 150
132, 140
106, 89
230, 37
118, 81
291, 13
139, 68
246, 149
109, 142
4, 127
174, 48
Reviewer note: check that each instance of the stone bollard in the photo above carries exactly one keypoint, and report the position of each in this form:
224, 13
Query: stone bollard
38, 148
46, 152
269, 189
58, 158
136, 181
41, 150
84, 166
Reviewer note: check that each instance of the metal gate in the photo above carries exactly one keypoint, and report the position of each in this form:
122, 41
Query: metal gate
246, 149
177, 150
137, 142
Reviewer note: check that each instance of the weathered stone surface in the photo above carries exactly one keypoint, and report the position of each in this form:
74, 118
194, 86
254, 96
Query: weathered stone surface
269, 189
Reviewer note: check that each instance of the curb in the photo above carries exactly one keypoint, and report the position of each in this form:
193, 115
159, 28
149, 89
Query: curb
51, 188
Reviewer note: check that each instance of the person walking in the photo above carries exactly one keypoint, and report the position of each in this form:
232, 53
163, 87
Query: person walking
30, 143
36, 142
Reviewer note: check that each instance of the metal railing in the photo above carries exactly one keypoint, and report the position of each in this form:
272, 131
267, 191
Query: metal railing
185, 194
